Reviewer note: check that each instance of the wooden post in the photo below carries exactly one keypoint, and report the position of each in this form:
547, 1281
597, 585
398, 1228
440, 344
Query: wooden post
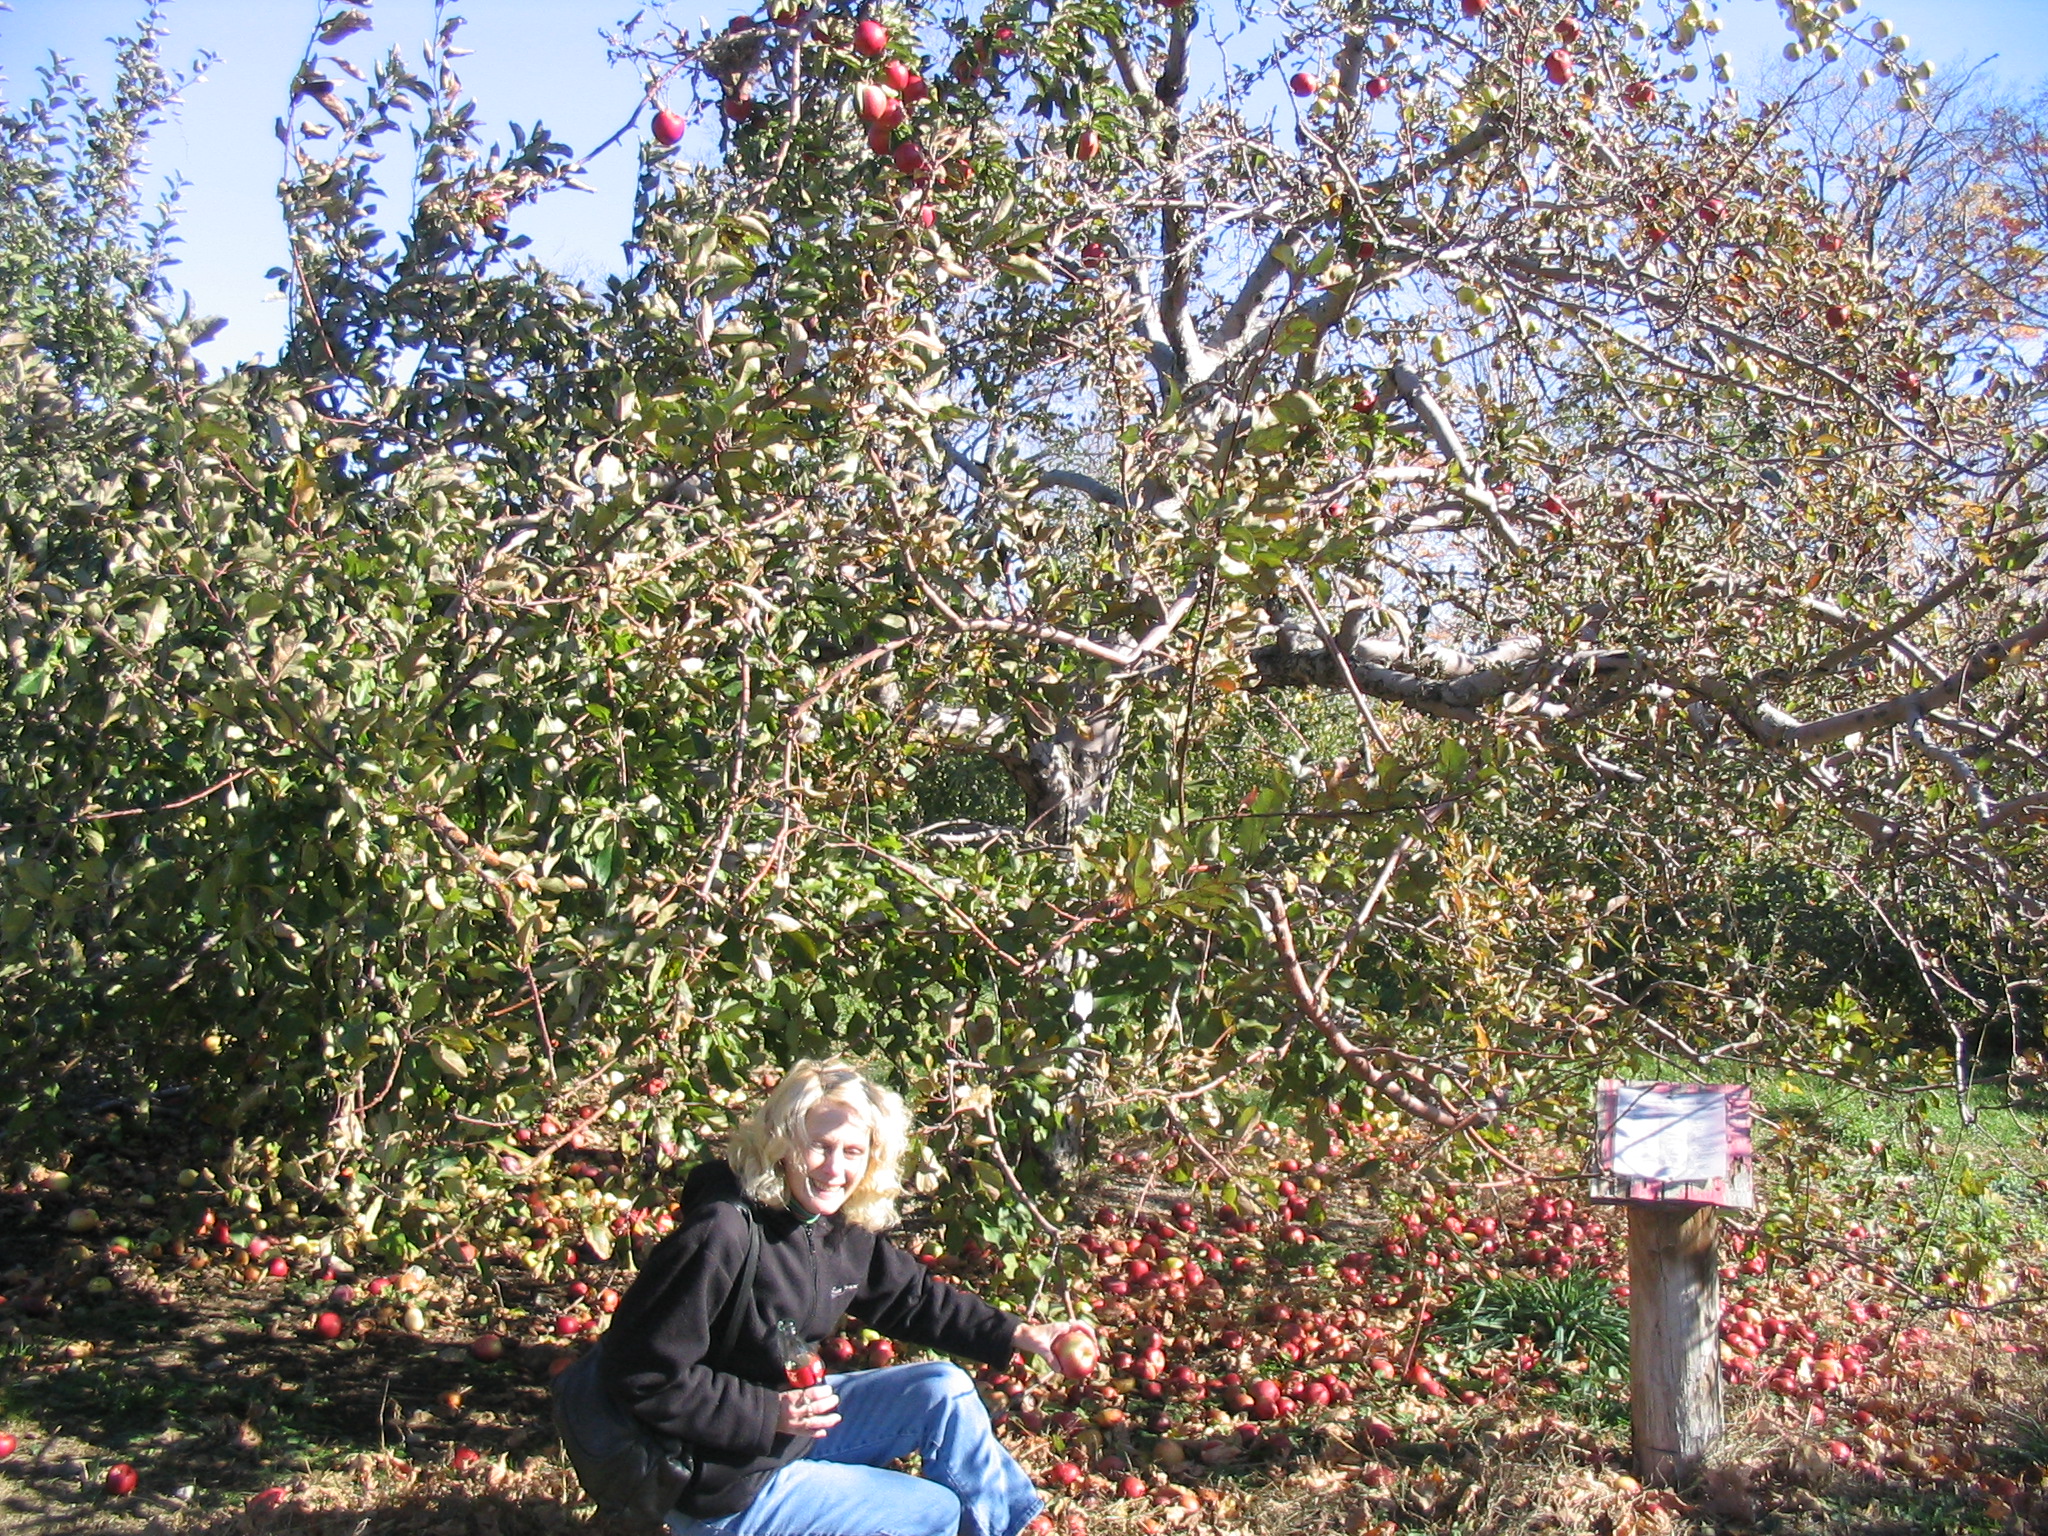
1674, 1353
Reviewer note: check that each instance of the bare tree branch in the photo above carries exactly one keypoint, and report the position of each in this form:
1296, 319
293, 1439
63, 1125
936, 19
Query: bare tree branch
1403, 1090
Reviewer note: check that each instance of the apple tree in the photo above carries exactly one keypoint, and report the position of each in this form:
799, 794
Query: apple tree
1134, 564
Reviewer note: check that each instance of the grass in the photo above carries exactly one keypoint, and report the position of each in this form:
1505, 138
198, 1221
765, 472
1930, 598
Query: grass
1568, 1318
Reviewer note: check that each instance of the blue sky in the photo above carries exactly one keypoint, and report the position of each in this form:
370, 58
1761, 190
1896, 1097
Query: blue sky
545, 60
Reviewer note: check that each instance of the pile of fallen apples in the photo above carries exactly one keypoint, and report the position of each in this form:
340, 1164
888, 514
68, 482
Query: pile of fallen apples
1222, 1337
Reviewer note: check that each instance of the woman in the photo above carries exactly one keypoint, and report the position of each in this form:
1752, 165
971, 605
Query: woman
817, 1169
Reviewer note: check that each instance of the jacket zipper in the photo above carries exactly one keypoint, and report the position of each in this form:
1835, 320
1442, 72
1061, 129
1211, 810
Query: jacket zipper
811, 1243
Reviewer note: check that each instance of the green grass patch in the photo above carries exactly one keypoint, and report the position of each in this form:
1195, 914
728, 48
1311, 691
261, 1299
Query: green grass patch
1566, 1318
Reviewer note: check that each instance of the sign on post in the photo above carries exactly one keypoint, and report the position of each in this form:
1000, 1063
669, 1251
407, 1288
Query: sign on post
1674, 1154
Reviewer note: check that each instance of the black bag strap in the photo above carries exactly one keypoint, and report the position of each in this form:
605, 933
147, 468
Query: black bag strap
745, 1286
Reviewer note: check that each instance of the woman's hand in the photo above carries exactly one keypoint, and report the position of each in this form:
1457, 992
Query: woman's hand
1042, 1339
1037, 1338
807, 1411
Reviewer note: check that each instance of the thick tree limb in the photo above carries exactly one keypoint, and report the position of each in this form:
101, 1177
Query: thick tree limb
1042, 479
1469, 486
1173, 72
1298, 659
1257, 284
1773, 728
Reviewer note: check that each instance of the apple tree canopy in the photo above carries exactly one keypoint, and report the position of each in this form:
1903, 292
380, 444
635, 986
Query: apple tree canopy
1106, 585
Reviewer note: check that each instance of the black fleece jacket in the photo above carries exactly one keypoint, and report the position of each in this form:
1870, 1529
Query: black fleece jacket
660, 1356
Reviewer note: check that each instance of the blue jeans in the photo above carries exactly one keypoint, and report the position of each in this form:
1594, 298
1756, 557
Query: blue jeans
971, 1485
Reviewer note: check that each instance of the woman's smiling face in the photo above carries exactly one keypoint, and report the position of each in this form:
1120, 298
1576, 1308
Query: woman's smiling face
833, 1159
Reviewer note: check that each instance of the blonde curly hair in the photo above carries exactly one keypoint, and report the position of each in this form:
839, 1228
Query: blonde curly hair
763, 1145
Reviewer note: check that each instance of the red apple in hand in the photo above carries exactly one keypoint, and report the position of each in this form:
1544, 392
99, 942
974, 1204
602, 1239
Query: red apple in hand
1075, 1352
